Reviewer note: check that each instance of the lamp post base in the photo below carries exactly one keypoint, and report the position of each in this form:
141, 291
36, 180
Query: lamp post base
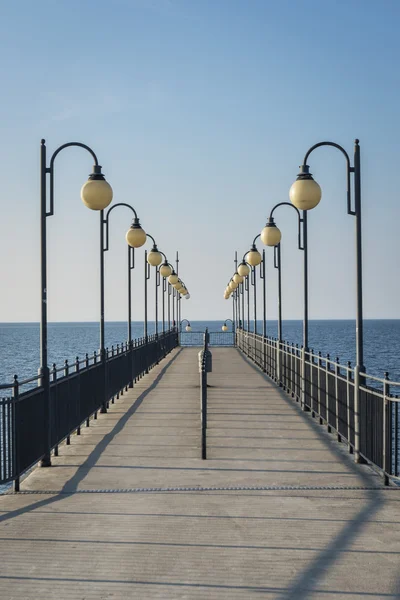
46, 461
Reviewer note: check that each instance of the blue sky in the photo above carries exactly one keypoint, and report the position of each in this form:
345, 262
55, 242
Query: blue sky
200, 113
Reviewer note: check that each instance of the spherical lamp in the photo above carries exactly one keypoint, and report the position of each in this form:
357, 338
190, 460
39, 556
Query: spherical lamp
224, 327
188, 328
237, 278
165, 270
154, 257
271, 235
173, 278
243, 269
233, 285
305, 193
187, 296
136, 236
96, 193
253, 257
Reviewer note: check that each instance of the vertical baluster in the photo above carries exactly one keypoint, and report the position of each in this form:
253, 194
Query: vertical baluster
13, 432
348, 406
66, 374
86, 367
54, 380
337, 374
312, 391
387, 432
78, 399
319, 363
327, 398
94, 362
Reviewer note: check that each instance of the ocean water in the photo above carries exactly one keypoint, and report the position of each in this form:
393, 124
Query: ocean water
19, 342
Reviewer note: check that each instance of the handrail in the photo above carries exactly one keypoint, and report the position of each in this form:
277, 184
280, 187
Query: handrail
327, 389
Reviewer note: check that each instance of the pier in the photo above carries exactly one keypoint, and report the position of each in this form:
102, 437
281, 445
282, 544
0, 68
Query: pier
129, 509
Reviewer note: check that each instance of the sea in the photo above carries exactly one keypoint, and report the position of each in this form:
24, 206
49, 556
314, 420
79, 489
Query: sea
19, 342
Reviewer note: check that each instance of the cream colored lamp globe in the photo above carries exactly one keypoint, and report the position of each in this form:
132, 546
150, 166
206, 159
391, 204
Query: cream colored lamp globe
96, 193
154, 258
237, 278
187, 296
136, 236
165, 270
183, 291
271, 235
224, 328
226, 296
188, 328
305, 192
243, 269
233, 285
178, 285
173, 279
253, 257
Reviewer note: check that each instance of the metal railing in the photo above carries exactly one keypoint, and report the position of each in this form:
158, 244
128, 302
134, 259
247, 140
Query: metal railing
76, 394
332, 391
217, 338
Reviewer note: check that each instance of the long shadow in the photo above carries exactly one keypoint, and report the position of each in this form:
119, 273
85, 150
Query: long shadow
81, 473
306, 581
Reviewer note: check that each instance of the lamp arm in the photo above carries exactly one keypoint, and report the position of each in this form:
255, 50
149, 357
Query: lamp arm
300, 222
51, 168
349, 169
106, 220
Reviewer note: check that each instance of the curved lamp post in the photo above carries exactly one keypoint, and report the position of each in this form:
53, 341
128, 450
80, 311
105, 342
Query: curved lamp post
305, 194
152, 259
138, 237
253, 258
96, 194
188, 326
271, 236
225, 326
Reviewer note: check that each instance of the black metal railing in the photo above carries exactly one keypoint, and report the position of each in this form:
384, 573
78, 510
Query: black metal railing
76, 394
332, 392
217, 338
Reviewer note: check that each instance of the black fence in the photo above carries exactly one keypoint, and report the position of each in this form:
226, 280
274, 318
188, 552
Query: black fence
76, 394
217, 338
360, 408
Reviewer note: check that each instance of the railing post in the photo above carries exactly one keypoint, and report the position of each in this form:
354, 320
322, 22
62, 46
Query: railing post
327, 370
66, 373
303, 378
348, 380
337, 374
278, 362
78, 400
14, 458
357, 413
54, 379
387, 432
86, 367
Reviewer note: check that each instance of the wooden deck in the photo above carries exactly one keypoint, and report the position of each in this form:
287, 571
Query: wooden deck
129, 509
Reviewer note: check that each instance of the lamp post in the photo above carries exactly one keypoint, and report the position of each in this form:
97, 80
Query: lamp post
188, 326
305, 194
131, 261
271, 236
96, 194
254, 258
225, 326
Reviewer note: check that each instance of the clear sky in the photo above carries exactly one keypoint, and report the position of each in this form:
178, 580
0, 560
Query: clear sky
200, 112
